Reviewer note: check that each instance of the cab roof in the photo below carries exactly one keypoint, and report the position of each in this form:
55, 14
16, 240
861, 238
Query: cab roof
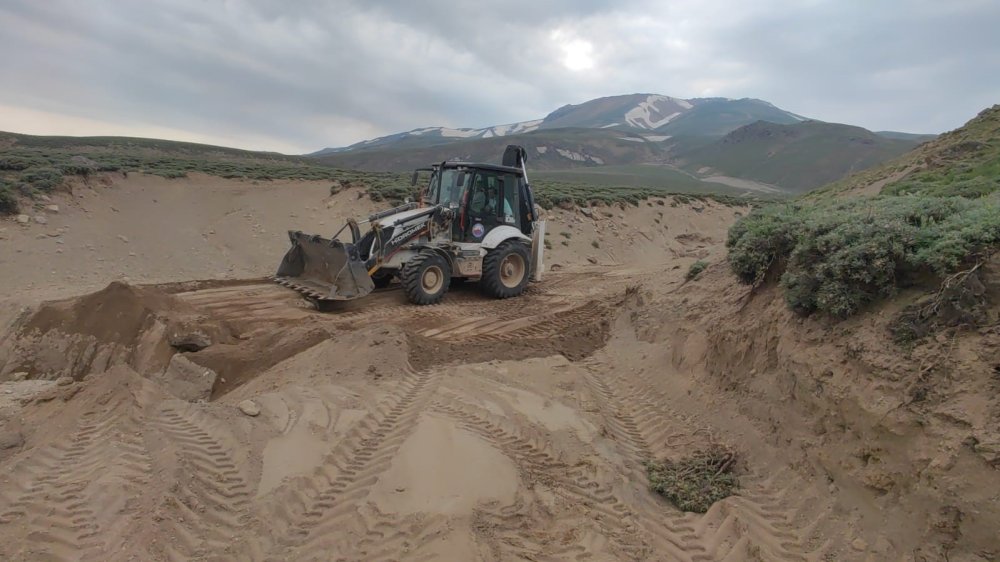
482, 166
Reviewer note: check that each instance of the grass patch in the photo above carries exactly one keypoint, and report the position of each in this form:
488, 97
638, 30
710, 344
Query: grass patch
696, 269
837, 256
550, 194
696, 482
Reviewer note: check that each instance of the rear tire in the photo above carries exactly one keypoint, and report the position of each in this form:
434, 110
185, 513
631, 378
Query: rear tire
426, 278
506, 270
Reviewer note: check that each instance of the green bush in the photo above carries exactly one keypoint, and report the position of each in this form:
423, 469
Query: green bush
42, 179
8, 200
838, 256
696, 269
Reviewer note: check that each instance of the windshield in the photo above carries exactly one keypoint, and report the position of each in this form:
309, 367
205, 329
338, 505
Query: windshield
445, 192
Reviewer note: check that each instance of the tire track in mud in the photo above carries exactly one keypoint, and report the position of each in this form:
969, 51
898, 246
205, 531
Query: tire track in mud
757, 522
312, 512
212, 501
54, 506
539, 465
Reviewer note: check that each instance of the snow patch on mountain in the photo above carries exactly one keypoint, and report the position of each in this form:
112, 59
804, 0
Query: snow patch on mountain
463, 133
577, 157
649, 114
485, 133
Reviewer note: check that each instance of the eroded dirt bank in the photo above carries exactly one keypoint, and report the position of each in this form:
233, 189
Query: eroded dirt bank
905, 439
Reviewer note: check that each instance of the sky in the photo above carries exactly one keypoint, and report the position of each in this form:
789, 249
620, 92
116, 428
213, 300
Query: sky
298, 76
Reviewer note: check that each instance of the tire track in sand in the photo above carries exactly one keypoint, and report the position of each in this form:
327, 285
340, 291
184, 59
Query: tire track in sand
537, 464
311, 513
56, 483
760, 520
212, 501
503, 328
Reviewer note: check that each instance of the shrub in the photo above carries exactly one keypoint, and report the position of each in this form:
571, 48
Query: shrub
8, 200
838, 256
696, 269
696, 482
42, 179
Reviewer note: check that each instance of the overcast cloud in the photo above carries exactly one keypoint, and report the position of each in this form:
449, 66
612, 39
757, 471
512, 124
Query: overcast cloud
302, 75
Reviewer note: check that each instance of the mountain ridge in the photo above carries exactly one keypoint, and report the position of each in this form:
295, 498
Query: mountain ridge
641, 112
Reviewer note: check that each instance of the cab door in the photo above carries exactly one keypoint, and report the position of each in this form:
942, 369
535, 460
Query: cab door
492, 201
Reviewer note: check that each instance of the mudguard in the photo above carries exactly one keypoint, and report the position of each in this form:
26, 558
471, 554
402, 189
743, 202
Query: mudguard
501, 233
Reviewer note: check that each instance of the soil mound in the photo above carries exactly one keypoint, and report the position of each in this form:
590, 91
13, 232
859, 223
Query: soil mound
120, 324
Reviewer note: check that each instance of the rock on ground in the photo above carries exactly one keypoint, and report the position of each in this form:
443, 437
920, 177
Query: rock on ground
249, 407
188, 380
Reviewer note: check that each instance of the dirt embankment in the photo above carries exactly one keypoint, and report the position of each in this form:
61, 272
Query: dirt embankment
907, 440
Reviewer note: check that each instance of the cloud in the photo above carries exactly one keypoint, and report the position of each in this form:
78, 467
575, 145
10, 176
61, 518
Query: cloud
297, 76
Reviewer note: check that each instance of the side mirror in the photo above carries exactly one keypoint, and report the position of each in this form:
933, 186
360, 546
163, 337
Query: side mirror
413, 180
460, 181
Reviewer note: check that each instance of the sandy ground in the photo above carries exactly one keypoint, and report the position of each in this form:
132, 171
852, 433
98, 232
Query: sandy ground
475, 429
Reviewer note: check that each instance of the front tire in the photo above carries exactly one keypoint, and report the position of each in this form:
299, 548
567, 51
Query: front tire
426, 278
506, 270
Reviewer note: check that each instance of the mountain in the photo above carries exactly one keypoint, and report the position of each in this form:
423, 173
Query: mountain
662, 116
797, 157
745, 143
547, 149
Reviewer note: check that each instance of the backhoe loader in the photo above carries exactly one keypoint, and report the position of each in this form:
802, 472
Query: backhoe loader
472, 221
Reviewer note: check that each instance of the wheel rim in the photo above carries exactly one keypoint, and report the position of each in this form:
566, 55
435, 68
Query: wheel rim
512, 270
432, 279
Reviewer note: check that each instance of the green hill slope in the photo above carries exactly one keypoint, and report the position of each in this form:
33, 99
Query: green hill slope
797, 157
30, 165
933, 214
965, 162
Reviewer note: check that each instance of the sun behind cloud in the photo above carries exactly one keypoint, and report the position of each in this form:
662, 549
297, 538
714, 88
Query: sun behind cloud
577, 54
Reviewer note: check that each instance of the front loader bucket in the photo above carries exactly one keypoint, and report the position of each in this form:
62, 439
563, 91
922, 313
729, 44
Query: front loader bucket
324, 269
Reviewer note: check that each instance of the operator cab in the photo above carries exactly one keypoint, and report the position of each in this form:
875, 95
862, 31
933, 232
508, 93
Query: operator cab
481, 196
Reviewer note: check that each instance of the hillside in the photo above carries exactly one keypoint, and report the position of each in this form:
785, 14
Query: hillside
798, 157
870, 309
32, 166
963, 161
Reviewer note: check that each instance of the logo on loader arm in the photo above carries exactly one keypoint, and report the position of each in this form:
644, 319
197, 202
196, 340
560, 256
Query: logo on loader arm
405, 232
478, 230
